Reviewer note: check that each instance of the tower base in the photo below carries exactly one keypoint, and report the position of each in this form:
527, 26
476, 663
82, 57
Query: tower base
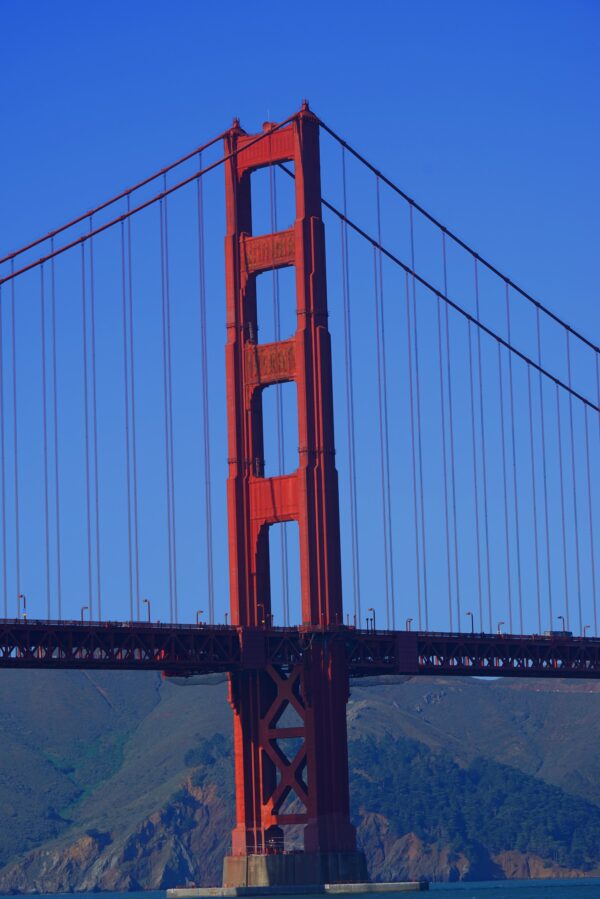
294, 869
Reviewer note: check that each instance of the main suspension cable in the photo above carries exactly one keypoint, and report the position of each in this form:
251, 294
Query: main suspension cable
124, 194
157, 198
476, 256
483, 328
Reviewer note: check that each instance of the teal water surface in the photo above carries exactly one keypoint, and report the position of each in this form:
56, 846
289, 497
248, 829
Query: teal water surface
585, 888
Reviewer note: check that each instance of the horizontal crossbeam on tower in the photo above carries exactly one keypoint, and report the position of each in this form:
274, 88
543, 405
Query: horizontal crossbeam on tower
186, 650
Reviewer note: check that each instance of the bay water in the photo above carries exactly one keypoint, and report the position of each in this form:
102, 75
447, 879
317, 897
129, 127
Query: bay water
584, 888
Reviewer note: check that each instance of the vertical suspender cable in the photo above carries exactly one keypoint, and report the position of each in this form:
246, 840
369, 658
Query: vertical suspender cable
350, 402
95, 426
126, 418
278, 394
445, 463
381, 445
86, 429
535, 512
451, 427
166, 409
475, 474
45, 438
170, 389
205, 401
505, 493
562, 506
413, 451
15, 435
483, 449
385, 416
575, 508
591, 520
544, 471
55, 429
133, 421
3, 464
419, 431
382, 454
514, 465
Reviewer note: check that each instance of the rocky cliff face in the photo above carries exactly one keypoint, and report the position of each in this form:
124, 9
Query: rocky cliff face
182, 843
185, 842
408, 857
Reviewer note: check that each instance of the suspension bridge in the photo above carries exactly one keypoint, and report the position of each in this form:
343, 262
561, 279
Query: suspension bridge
454, 511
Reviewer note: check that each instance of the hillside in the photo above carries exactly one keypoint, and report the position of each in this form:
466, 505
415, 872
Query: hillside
124, 781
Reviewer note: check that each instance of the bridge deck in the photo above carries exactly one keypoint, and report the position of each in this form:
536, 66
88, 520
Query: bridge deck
203, 649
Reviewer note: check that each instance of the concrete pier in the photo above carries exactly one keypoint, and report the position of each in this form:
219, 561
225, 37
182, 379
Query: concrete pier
338, 889
294, 869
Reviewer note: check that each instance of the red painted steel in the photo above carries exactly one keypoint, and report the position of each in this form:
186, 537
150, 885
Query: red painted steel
315, 779
184, 650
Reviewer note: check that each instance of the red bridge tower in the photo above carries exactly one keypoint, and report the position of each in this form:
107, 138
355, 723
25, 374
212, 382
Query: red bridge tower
308, 787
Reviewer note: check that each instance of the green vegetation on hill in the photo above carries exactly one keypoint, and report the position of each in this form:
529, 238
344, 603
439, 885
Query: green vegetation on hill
485, 805
142, 769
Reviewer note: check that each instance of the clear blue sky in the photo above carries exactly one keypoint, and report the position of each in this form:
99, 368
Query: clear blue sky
486, 113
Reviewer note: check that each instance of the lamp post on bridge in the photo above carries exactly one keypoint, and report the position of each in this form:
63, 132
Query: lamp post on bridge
408, 623
21, 596
371, 609
562, 618
470, 615
147, 603
83, 609
586, 627
500, 623
198, 613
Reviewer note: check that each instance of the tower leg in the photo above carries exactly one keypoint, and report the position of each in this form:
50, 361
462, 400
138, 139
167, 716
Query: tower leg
313, 775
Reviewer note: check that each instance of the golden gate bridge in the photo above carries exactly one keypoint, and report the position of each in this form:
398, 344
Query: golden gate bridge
467, 414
